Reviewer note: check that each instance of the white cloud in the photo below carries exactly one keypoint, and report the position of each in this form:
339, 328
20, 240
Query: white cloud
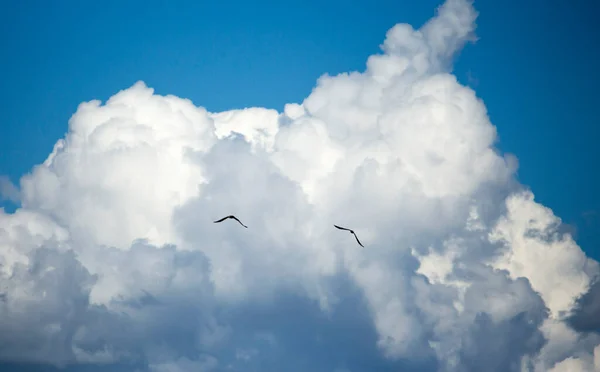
562, 271
113, 257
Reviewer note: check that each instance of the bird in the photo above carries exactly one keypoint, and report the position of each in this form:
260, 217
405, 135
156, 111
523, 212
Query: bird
352, 231
230, 216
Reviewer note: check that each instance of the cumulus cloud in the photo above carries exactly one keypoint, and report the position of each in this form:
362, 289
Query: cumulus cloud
113, 261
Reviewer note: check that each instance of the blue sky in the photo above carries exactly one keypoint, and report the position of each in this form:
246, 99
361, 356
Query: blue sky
534, 66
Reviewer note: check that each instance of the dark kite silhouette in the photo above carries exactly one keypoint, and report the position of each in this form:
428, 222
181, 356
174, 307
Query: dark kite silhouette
230, 216
352, 231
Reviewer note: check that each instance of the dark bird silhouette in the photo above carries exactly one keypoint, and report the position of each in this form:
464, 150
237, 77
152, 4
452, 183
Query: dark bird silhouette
352, 231
230, 216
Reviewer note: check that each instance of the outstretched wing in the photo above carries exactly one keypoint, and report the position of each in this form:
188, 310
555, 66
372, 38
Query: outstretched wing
357, 239
235, 218
222, 219
342, 228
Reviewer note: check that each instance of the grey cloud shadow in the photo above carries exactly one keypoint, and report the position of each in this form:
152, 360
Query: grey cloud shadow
499, 345
306, 338
170, 318
167, 320
59, 296
302, 336
490, 350
586, 315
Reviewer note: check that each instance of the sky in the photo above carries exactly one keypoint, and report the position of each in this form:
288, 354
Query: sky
533, 66
453, 142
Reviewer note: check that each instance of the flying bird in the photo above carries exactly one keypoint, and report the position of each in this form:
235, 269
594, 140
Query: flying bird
352, 231
230, 216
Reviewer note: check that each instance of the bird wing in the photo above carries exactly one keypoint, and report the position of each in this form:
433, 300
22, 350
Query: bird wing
235, 218
222, 219
342, 228
357, 239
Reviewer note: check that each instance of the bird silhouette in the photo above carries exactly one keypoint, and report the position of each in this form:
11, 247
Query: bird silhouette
230, 216
352, 231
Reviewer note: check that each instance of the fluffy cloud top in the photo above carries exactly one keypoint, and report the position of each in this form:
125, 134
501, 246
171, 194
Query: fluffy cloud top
113, 259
